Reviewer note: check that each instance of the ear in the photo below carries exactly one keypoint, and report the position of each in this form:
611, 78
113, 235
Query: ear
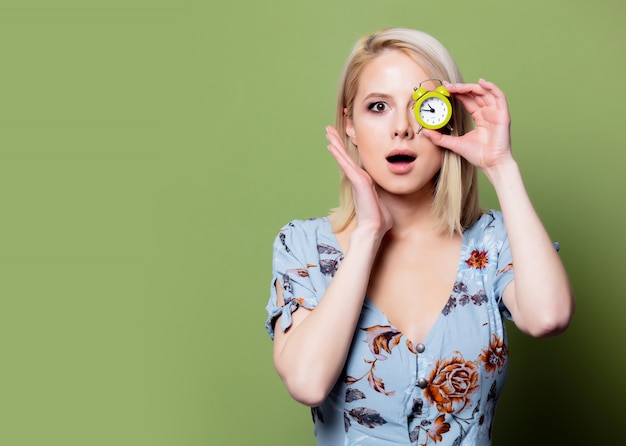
349, 128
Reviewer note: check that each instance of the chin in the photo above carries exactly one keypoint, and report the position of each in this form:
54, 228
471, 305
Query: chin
419, 190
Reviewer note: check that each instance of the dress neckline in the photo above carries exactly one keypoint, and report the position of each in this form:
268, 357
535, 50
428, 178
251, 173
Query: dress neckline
372, 306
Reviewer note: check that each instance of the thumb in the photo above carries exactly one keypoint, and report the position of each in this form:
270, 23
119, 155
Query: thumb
441, 140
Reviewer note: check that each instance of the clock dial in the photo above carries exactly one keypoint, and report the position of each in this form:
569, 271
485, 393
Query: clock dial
433, 111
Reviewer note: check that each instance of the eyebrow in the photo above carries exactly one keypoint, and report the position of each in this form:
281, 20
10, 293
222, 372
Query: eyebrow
377, 96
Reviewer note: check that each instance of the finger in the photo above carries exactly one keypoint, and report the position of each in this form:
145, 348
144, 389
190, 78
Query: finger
498, 95
353, 171
332, 135
464, 89
345, 163
493, 101
453, 143
468, 94
470, 103
437, 138
476, 89
337, 146
484, 92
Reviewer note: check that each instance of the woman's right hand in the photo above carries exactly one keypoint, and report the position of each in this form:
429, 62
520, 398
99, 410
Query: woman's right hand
371, 213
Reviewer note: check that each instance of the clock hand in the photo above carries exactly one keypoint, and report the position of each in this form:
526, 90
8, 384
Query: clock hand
430, 109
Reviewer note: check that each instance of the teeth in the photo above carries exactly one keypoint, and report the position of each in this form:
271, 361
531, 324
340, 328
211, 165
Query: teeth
401, 159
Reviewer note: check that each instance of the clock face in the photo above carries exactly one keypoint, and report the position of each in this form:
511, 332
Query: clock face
434, 112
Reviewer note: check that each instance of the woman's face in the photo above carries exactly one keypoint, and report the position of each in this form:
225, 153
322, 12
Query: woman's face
383, 126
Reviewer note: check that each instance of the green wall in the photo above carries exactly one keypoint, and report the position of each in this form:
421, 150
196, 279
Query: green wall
150, 151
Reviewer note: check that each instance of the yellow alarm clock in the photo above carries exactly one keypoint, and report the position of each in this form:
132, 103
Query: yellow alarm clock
432, 108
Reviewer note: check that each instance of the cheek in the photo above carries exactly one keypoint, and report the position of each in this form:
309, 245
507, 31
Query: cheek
370, 125
366, 160
371, 147
439, 156
435, 153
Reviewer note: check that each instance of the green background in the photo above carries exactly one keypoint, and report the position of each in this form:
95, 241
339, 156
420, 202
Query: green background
150, 151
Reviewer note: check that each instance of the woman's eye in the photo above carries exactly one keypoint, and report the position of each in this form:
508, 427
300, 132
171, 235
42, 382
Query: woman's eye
378, 107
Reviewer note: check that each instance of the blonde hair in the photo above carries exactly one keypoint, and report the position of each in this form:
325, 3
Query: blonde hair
456, 190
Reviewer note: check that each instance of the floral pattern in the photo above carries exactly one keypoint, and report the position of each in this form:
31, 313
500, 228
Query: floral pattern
477, 259
379, 338
460, 295
434, 430
452, 382
494, 357
459, 368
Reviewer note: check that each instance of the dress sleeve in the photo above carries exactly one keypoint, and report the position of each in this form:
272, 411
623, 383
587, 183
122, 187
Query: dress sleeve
505, 269
294, 254
504, 272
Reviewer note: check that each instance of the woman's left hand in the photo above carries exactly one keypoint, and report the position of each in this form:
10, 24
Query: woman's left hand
488, 145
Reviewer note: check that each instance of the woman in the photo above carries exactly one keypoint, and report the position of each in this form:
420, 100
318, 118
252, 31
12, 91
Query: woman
387, 316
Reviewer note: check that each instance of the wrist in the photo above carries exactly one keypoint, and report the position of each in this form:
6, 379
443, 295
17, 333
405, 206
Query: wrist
503, 173
365, 239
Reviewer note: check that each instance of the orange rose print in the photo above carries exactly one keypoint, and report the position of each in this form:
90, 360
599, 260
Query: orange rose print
494, 357
438, 428
451, 383
477, 259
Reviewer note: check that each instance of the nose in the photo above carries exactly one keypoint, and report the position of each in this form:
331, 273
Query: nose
404, 133
403, 127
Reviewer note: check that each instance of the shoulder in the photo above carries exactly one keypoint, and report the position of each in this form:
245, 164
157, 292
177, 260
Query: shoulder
308, 225
486, 254
302, 233
491, 222
488, 232
304, 228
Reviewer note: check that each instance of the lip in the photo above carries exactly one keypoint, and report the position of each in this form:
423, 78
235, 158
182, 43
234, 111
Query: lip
401, 166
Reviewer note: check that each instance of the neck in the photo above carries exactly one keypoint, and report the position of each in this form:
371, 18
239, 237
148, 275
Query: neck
410, 212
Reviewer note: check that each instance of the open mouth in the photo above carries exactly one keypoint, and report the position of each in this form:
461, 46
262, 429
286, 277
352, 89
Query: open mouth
400, 159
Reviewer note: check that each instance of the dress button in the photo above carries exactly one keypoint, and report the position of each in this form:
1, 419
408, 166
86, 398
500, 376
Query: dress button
420, 348
422, 383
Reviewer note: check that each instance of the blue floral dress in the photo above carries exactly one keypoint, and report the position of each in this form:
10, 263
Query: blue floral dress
393, 392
